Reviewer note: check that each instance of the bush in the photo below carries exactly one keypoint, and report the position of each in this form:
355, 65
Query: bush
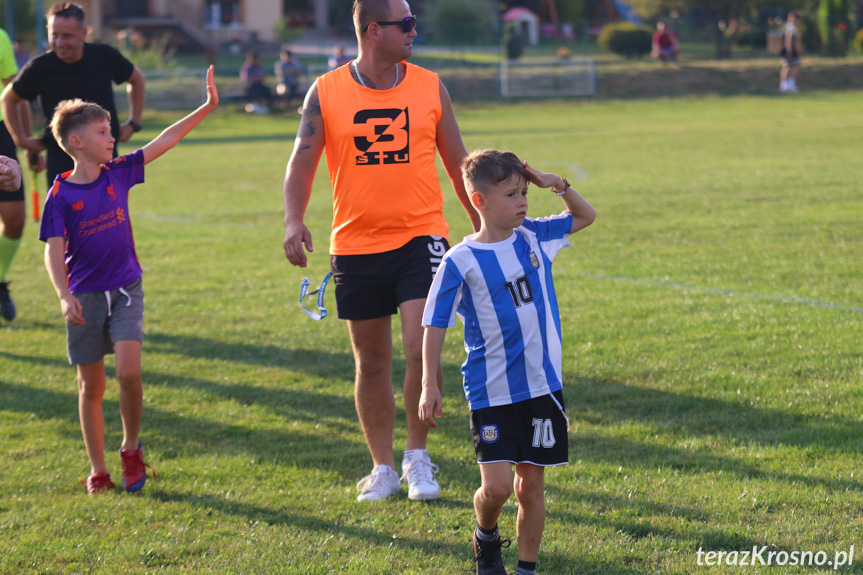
458, 23
513, 43
833, 24
858, 40
807, 29
284, 33
754, 37
147, 53
626, 39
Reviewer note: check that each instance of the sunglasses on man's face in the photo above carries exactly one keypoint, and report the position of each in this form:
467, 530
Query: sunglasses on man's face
408, 24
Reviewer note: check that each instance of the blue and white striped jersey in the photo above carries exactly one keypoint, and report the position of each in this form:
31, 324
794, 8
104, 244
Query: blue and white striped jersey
504, 295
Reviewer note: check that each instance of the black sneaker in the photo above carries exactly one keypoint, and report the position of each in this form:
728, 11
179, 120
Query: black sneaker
488, 559
7, 306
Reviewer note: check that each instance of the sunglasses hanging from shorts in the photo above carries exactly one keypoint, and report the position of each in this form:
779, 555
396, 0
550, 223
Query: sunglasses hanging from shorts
408, 24
304, 291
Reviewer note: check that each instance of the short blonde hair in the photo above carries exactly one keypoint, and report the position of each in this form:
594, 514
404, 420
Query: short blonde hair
71, 115
483, 169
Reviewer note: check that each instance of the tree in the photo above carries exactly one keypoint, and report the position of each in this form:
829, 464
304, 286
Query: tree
459, 23
25, 19
834, 26
718, 11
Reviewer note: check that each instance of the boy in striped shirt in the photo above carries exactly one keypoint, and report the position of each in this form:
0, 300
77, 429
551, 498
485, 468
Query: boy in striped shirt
499, 282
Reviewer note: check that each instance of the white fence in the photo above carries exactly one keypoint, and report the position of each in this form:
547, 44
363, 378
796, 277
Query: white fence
169, 90
547, 78
186, 89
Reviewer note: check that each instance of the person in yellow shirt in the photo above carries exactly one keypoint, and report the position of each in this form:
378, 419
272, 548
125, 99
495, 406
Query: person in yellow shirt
381, 121
12, 211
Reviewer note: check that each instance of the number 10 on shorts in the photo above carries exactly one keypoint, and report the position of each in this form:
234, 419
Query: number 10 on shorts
543, 434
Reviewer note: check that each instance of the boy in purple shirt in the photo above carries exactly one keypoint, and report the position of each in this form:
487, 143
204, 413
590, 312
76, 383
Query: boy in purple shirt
91, 260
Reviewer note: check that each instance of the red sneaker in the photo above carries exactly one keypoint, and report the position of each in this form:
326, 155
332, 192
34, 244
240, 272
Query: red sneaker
134, 474
98, 483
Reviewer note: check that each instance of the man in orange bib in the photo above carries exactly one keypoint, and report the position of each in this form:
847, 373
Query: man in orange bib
381, 121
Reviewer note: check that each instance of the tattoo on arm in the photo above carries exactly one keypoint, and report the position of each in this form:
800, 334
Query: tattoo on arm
311, 112
312, 107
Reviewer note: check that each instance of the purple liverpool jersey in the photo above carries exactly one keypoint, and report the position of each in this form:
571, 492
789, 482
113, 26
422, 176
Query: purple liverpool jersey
94, 221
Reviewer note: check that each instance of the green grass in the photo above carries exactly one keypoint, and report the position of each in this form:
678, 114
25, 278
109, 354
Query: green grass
712, 319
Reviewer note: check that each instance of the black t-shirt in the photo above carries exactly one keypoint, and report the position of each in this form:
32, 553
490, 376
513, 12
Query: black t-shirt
89, 79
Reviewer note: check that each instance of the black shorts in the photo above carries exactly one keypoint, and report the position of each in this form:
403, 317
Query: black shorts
374, 285
7, 148
531, 431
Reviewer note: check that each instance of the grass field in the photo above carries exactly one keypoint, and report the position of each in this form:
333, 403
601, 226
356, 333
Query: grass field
712, 323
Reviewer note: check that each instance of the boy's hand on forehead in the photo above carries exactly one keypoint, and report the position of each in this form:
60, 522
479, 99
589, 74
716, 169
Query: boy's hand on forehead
543, 179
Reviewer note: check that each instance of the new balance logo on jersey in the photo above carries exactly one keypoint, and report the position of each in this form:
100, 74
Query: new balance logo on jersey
385, 137
78, 206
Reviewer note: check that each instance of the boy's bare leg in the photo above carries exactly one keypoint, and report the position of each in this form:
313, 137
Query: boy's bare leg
496, 487
411, 313
529, 485
372, 342
91, 388
128, 354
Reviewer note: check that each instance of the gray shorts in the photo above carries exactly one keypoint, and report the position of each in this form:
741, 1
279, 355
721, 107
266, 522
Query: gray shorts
110, 316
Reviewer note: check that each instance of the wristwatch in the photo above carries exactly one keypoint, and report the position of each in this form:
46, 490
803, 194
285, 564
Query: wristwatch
565, 186
135, 127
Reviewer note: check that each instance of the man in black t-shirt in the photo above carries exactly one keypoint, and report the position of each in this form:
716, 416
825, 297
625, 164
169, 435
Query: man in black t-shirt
72, 69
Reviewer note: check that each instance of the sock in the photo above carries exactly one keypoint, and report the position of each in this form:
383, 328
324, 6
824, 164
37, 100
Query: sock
409, 455
525, 568
487, 535
8, 248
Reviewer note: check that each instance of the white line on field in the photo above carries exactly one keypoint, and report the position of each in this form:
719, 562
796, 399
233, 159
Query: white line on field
796, 300
725, 292
193, 221
578, 174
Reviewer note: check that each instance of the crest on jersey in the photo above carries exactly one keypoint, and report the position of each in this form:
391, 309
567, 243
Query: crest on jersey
489, 433
534, 261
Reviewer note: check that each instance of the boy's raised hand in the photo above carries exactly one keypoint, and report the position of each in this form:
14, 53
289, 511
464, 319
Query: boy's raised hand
543, 179
212, 93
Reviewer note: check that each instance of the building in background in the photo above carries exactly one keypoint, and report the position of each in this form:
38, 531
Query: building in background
191, 24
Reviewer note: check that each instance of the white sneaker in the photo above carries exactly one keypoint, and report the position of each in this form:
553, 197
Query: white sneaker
382, 483
419, 472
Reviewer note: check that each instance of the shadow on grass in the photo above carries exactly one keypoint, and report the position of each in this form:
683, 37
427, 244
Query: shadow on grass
671, 414
676, 415
341, 525
316, 427
329, 437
